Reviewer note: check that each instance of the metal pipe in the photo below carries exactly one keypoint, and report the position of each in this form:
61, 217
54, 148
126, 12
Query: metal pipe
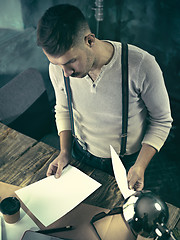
98, 14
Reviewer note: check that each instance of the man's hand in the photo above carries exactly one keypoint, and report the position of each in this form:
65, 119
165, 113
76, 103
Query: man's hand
136, 172
136, 178
56, 167
64, 158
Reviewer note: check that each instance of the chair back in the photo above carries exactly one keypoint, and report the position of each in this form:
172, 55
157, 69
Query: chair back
24, 104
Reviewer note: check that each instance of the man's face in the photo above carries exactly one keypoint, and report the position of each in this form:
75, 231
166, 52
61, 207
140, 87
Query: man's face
76, 62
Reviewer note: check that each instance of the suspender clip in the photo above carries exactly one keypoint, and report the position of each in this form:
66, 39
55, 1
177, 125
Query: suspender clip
123, 135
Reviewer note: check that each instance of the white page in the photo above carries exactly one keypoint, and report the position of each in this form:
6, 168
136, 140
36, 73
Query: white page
120, 174
16, 230
49, 199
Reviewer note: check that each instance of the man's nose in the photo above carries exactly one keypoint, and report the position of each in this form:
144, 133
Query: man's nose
67, 71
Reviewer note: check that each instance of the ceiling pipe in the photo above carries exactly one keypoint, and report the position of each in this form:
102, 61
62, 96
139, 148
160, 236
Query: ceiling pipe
99, 8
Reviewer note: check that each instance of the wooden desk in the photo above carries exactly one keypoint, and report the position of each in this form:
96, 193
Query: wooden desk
24, 160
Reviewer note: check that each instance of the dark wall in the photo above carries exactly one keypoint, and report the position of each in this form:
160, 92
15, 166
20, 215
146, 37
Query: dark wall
153, 25
18, 21
34, 9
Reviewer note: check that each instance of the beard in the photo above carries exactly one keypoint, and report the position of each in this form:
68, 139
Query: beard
89, 63
79, 75
88, 67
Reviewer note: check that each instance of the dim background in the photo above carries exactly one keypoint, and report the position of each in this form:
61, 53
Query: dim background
153, 25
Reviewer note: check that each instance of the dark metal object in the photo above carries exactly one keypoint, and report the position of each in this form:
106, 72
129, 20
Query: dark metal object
147, 215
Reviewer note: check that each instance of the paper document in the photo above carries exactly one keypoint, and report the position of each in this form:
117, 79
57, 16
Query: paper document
49, 199
120, 174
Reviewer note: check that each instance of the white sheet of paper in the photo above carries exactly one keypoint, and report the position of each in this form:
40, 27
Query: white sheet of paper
120, 174
16, 230
49, 199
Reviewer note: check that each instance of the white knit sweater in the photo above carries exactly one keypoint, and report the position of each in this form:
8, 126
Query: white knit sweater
97, 105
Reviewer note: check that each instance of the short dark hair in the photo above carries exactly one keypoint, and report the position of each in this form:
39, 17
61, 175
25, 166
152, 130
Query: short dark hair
60, 28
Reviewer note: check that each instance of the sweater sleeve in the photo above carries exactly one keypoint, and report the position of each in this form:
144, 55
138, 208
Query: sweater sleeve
61, 107
155, 97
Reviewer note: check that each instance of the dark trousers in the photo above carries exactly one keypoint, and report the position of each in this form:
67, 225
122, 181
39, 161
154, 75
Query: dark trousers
161, 175
104, 164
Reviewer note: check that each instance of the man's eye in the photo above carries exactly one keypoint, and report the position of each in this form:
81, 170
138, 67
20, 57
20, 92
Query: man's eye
73, 60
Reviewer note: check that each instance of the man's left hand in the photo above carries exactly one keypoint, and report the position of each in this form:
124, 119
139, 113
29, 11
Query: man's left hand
136, 178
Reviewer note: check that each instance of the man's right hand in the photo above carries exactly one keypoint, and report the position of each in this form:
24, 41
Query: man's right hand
56, 167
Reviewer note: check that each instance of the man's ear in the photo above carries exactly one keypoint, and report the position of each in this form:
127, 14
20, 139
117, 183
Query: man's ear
90, 39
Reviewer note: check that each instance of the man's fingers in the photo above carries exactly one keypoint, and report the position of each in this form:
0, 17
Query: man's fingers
59, 171
135, 184
49, 171
61, 166
138, 187
132, 181
52, 169
135, 178
56, 167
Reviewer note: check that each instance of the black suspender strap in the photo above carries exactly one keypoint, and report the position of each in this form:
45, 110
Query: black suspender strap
125, 97
69, 98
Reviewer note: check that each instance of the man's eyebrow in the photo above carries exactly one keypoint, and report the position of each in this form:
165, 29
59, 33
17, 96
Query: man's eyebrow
70, 61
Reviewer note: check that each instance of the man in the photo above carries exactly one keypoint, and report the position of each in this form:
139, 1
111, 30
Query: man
94, 69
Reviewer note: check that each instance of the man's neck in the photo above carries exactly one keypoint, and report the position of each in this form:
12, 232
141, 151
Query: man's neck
104, 52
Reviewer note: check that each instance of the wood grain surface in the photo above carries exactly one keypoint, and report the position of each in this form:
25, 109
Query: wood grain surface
24, 160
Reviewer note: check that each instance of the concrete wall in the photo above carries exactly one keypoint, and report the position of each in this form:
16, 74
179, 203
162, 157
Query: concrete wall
11, 15
153, 25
